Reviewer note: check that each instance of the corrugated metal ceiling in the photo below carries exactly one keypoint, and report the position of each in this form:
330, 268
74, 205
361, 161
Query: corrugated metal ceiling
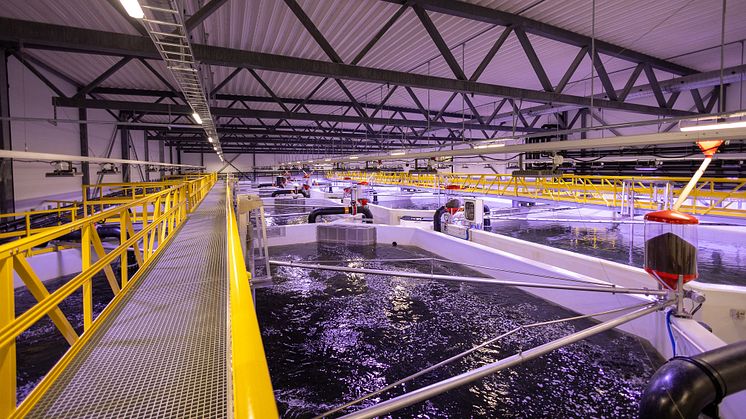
667, 28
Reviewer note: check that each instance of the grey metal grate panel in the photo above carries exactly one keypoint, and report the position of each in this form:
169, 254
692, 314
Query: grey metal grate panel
163, 351
351, 234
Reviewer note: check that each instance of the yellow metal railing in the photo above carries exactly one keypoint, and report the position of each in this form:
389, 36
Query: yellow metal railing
170, 207
64, 214
252, 387
713, 196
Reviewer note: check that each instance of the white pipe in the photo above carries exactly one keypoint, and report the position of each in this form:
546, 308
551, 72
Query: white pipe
29, 155
599, 288
591, 143
433, 390
692, 183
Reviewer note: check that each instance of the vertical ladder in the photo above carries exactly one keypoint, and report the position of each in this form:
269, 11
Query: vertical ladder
258, 247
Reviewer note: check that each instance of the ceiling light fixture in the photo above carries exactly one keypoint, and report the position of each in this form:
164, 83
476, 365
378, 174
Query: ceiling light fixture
398, 153
354, 157
196, 118
712, 127
490, 146
132, 7
209, 139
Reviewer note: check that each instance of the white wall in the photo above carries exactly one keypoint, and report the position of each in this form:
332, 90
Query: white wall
30, 97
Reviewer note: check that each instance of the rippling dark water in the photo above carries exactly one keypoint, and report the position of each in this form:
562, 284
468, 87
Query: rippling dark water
331, 337
42, 345
720, 260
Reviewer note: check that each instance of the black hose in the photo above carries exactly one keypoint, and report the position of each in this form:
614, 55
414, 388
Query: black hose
367, 215
265, 185
108, 231
486, 223
684, 387
303, 192
438, 217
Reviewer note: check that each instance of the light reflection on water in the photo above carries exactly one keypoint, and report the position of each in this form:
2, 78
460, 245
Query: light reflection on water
331, 337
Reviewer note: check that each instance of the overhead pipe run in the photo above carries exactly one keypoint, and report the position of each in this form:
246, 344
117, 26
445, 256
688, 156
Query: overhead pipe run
594, 288
685, 387
591, 143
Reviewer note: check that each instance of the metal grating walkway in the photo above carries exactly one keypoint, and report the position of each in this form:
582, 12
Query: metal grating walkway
162, 352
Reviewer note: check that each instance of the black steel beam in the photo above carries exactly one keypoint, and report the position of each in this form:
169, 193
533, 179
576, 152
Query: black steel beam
439, 42
268, 142
165, 109
103, 76
631, 81
653, 80
490, 54
571, 70
297, 150
533, 59
603, 75
497, 17
7, 196
38, 74
43, 35
267, 99
203, 13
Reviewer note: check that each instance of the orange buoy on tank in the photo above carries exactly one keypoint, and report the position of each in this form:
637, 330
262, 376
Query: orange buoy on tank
671, 247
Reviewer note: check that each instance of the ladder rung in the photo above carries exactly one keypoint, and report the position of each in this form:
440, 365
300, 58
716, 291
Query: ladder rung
175, 35
177, 53
171, 44
161, 22
159, 9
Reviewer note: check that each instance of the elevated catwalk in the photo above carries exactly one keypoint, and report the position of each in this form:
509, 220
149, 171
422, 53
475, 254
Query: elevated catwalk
163, 350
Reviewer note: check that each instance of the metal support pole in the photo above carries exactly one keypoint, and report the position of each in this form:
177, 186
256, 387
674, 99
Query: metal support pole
124, 135
7, 195
598, 288
161, 154
433, 390
146, 147
83, 130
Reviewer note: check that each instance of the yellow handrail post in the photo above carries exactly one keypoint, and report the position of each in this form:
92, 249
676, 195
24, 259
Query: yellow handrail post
85, 250
124, 216
8, 350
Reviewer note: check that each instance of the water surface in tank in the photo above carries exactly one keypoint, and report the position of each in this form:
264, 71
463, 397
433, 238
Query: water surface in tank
331, 337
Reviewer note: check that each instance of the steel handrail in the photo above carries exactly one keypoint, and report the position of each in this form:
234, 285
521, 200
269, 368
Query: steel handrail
252, 388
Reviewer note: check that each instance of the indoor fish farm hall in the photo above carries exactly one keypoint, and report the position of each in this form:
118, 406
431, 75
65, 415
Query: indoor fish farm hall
373, 208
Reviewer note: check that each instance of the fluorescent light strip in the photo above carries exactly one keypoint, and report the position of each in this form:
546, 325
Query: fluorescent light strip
713, 127
132, 7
